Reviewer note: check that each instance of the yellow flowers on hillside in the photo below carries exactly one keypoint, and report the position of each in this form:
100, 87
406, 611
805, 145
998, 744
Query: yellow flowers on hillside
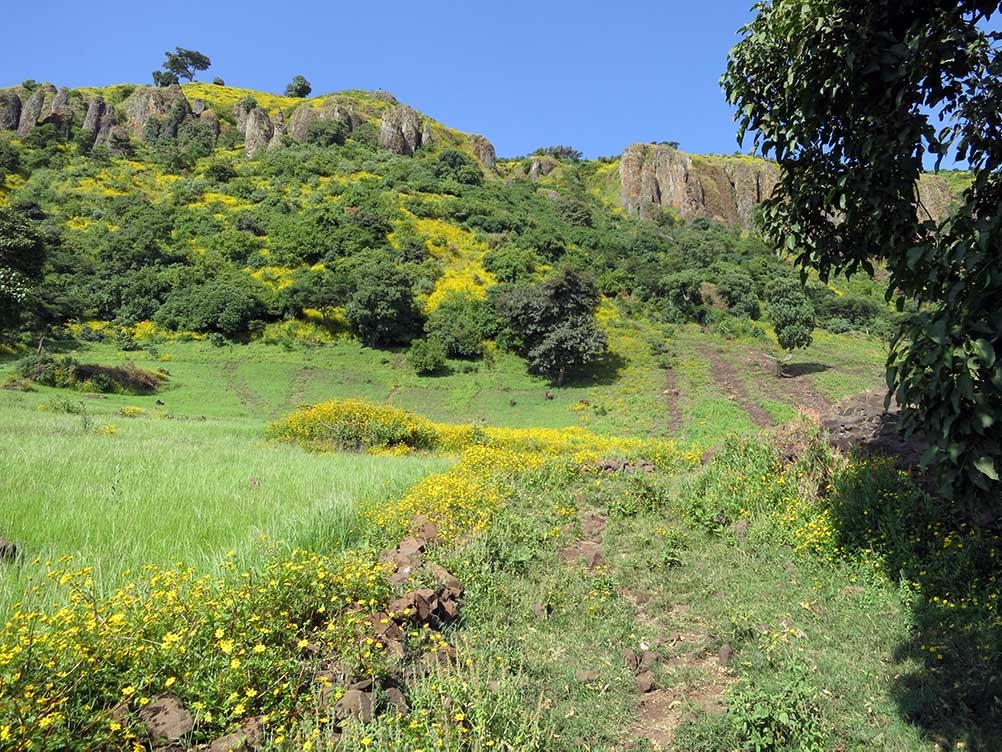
359, 426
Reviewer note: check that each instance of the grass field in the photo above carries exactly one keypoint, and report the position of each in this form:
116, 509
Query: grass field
774, 615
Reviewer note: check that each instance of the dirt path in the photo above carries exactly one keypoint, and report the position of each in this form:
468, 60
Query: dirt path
727, 378
300, 384
671, 392
240, 386
796, 389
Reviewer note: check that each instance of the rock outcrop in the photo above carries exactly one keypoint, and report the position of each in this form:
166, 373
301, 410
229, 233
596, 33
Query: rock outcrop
258, 132
92, 118
401, 130
31, 111
299, 124
58, 112
934, 197
155, 101
211, 119
278, 132
726, 189
334, 109
541, 166
483, 150
10, 110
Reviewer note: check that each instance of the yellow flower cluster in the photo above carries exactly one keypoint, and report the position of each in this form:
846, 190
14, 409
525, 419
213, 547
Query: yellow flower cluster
355, 425
230, 647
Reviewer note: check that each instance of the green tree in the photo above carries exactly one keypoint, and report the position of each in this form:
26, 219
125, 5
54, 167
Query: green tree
22, 256
792, 317
381, 309
165, 78
299, 87
184, 63
426, 356
461, 323
847, 98
552, 324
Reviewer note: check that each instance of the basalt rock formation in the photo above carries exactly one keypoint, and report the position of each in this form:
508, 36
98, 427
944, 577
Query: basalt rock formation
402, 131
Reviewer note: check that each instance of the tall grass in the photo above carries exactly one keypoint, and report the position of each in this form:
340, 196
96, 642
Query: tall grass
160, 491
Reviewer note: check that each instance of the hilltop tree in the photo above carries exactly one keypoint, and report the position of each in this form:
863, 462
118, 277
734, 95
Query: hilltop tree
299, 87
844, 95
164, 78
183, 63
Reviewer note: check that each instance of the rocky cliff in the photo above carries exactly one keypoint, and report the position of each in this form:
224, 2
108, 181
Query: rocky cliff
657, 177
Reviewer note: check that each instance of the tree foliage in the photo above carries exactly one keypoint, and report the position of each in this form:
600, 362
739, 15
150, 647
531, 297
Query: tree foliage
845, 96
553, 323
298, 87
184, 63
22, 256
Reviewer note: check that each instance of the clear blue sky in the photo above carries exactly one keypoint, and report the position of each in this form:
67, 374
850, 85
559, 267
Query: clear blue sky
594, 75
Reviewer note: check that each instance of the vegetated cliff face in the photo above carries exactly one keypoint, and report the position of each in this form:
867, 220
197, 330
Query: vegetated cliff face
401, 129
658, 177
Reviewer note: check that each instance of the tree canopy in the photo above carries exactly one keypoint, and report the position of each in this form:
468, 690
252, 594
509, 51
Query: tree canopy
183, 63
298, 87
851, 98
22, 255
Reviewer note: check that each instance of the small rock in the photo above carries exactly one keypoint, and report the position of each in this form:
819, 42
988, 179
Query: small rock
8, 551
542, 610
645, 682
587, 676
355, 703
725, 655
397, 699
740, 529
166, 718
444, 577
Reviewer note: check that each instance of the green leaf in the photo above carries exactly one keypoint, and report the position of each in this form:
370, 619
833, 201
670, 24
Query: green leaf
986, 465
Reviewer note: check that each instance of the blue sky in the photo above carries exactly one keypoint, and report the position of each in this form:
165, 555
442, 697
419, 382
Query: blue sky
596, 76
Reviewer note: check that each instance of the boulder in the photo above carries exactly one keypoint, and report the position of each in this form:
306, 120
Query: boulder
258, 132
198, 106
401, 130
166, 719
483, 150
10, 110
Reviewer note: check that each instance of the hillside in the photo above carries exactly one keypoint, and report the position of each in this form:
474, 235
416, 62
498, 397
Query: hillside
324, 428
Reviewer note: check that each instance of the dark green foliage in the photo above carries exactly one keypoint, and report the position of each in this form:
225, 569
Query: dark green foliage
67, 373
792, 314
553, 323
299, 87
850, 103
461, 323
22, 256
559, 152
217, 81
227, 306
10, 160
455, 165
738, 293
381, 309
184, 63
510, 263
322, 289
426, 356
221, 172
164, 78
682, 292
327, 133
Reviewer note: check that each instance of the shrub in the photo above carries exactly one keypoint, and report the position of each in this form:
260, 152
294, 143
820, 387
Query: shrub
355, 426
67, 373
381, 310
327, 133
461, 323
426, 356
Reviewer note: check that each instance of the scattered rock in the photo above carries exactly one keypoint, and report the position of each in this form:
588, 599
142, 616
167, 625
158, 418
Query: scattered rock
444, 577
862, 424
725, 654
589, 552
354, 704
397, 699
740, 529
248, 738
619, 465
166, 719
645, 682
